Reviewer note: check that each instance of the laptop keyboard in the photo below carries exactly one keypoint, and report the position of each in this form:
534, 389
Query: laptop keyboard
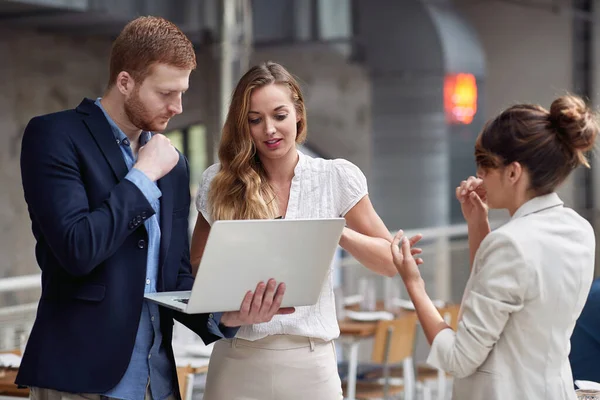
184, 301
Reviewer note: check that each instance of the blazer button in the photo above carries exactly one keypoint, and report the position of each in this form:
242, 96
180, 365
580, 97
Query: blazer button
142, 244
138, 219
143, 214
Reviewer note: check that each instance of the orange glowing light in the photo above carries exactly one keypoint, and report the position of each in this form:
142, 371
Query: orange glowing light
460, 98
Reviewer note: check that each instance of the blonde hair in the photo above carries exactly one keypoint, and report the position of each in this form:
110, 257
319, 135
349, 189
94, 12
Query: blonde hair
240, 189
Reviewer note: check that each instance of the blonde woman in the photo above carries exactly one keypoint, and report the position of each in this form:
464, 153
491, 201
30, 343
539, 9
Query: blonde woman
261, 174
530, 277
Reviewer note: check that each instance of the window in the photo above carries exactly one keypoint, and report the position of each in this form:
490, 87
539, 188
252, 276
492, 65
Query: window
192, 143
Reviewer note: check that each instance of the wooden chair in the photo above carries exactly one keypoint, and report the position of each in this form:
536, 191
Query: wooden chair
7, 381
185, 377
424, 373
394, 341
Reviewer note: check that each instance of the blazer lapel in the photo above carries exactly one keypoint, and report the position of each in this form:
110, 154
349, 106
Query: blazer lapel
538, 204
166, 218
98, 126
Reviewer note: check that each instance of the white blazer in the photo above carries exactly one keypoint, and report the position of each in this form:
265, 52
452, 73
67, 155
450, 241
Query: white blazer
529, 282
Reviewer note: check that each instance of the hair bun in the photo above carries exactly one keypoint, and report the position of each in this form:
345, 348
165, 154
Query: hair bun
574, 122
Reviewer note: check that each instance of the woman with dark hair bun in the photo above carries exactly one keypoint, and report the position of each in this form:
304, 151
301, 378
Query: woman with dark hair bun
529, 278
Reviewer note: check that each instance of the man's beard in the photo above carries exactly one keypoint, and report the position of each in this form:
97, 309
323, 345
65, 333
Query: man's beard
138, 114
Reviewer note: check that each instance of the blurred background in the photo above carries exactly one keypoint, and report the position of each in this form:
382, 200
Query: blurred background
399, 87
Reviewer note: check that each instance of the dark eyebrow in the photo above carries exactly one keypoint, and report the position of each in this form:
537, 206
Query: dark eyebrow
276, 109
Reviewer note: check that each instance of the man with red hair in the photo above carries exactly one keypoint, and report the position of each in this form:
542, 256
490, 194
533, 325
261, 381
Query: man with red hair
109, 202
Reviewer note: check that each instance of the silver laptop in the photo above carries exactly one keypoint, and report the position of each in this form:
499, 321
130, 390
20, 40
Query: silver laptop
241, 253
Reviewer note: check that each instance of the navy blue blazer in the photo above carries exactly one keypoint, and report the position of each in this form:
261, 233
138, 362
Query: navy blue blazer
585, 340
88, 223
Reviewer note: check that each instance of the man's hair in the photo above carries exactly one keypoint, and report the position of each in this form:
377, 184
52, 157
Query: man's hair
146, 41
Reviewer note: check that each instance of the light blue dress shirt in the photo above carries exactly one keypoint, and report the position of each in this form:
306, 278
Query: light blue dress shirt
149, 362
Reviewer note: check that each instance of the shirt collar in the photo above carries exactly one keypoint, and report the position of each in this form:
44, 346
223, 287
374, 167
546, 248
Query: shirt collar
301, 162
120, 137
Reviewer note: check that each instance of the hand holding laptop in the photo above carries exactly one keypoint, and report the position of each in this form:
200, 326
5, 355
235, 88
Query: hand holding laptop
259, 306
298, 252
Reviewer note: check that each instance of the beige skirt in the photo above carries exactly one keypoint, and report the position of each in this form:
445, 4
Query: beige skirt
278, 367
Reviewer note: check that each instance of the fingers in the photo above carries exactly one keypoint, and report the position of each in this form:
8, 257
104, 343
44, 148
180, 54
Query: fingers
268, 296
459, 189
463, 188
397, 237
406, 249
412, 241
258, 298
286, 310
246, 303
277, 299
467, 186
415, 239
262, 304
476, 200
396, 254
266, 302
473, 183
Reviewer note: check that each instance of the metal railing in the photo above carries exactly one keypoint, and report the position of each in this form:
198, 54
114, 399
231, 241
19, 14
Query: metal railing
445, 271
24, 282
16, 320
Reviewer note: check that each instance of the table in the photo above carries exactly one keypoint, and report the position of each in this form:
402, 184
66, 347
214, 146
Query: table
185, 366
7, 384
352, 332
